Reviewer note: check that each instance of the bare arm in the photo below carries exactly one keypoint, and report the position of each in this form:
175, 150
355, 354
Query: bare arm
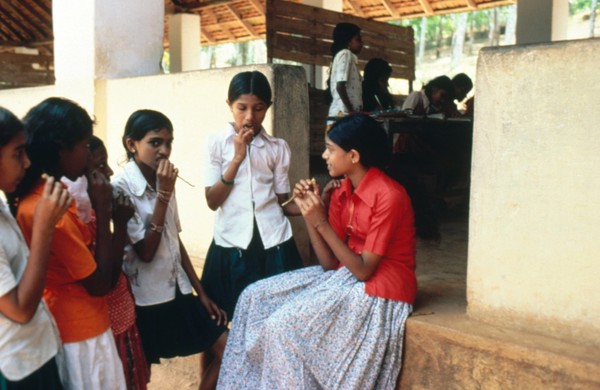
328, 247
122, 211
218, 192
343, 92
100, 282
166, 175
20, 303
215, 312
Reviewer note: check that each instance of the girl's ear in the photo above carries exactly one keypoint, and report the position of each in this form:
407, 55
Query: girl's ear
355, 156
130, 143
228, 103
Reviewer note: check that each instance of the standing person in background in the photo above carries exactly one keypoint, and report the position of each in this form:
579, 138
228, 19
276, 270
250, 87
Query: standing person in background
121, 306
247, 183
376, 95
344, 76
58, 136
29, 340
171, 320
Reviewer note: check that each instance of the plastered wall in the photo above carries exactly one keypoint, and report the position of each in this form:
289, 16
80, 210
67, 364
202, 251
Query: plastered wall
195, 103
534, 241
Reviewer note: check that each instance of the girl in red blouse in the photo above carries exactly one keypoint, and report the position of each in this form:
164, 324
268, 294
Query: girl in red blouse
340, 324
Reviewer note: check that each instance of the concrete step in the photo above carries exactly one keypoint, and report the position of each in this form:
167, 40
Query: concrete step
449, 350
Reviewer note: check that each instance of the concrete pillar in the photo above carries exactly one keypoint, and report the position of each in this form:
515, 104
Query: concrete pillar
184, 42
317, 75
534, 220
541, 21
104, 39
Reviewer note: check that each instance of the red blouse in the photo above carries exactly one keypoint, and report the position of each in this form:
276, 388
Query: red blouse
378, 217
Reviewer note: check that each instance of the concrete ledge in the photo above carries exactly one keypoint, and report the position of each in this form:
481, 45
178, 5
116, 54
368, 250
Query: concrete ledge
453, 351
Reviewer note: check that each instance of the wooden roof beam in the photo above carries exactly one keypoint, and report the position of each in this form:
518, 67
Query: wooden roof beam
207, 36
390, 9
259, 7
471, 4
356, 8
245, 24
12, 22
32, 24
426, 7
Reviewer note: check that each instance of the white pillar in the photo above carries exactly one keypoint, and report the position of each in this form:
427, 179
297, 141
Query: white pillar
104, 39
542, 21
184, 42
321, 74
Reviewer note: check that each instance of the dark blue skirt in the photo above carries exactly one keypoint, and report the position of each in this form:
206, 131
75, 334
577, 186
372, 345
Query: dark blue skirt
227, 271
44, 378
180, 327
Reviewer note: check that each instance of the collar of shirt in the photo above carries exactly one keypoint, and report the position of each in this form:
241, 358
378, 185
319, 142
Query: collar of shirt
136, 180
363, 191
5, 213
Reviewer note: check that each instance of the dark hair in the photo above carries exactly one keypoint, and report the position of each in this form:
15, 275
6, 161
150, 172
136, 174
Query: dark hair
463, 81
53, 125
253, 83
365, 135
342, 35
10, 126
440, 82
95, 143
375, 70
140, 123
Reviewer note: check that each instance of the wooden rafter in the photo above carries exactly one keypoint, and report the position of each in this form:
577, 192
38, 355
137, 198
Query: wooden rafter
471, 4
356, 8
245, 24
208, 37
259, 7
390, 8
15, 22
426, 7
30, 25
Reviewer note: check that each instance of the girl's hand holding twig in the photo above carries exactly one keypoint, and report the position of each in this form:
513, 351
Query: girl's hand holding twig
303, 186
312, 208
166, 175
240, 141
216, 313
55, 201
122, 208
100, 192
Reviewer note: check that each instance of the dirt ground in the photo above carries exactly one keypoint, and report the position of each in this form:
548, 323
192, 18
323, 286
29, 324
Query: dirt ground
178, 373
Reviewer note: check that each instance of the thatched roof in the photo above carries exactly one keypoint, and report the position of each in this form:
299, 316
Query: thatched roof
29, 22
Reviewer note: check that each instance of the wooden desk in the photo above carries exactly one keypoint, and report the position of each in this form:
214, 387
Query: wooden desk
400, 125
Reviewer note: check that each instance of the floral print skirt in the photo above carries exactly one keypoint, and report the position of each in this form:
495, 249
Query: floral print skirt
311, 329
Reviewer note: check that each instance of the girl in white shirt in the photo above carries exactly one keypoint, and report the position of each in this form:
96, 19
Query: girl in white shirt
171, 321
29, 339
344, 81
247, 182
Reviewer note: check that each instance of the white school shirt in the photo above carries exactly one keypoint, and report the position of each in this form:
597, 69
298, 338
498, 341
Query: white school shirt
154, 282
262, 175
415, 99
23, 348
345, 68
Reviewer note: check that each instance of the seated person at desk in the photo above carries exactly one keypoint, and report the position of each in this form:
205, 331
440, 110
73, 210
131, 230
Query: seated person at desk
431, 99
462, 86
375, 85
